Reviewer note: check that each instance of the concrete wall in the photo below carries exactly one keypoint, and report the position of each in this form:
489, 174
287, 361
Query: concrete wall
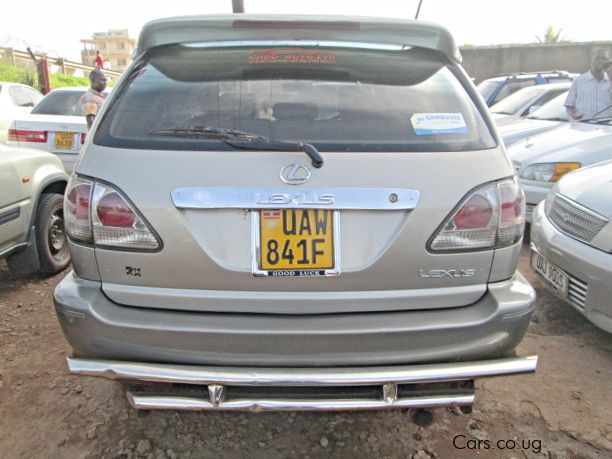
483, 62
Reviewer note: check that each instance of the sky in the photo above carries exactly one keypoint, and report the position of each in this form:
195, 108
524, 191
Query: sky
58, 26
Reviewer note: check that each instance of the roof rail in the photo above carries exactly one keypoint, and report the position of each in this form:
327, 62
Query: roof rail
536, 72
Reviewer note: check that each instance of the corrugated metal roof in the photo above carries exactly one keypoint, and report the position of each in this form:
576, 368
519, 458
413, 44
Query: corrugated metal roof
246, 27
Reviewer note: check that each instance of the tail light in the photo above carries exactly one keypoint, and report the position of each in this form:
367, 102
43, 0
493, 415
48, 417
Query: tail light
116, 222
20, 135
77, 217
490, 217
83, 137
98, 214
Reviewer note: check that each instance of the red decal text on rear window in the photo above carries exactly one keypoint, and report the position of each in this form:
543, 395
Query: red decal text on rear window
291, 56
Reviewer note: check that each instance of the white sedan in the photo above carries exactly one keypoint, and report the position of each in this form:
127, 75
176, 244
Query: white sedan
56, 125
542, 160
571, 241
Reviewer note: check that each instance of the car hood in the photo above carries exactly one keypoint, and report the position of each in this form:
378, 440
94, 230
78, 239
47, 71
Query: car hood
513, 129
591, 187
60, 122
576, 142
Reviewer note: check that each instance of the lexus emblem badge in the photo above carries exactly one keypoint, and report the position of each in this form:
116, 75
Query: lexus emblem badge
295, 174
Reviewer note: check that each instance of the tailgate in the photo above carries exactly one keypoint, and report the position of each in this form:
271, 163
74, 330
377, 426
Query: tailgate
207, 262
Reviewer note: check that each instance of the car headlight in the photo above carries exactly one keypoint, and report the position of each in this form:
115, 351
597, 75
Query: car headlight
550, 199
547, 172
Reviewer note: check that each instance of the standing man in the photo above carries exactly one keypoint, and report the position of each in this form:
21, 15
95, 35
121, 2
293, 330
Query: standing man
93, 99
590, 92
99, 60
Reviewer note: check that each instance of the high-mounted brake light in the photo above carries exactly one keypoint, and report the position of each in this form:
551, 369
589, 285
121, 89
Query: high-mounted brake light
97, 214
490, 217
21, 135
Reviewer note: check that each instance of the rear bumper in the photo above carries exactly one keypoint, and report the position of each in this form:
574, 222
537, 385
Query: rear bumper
98, 328
381, 387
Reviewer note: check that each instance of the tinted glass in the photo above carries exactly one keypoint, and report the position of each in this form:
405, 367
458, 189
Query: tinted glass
559, 79
338, 100
487, 88
511, 87
60, 103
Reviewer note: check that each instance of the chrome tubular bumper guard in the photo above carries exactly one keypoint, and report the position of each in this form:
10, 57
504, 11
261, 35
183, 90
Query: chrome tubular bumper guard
274, 389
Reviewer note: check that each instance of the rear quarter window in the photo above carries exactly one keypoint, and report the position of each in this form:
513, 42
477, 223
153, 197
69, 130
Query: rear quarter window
60, 103
336, 99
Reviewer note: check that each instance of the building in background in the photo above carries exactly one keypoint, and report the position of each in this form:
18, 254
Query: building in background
115, 45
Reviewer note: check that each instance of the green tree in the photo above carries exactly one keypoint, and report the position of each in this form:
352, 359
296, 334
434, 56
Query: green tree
550, 36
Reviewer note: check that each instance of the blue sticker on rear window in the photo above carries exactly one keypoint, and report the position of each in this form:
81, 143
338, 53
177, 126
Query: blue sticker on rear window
438, 123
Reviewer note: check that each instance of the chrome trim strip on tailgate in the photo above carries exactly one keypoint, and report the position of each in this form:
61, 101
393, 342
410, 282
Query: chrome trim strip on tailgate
139, 401
292, 198
334, 376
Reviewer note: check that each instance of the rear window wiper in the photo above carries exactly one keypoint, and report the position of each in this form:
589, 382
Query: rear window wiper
242, 140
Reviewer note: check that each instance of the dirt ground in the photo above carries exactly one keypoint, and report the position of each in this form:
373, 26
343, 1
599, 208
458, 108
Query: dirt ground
562, 411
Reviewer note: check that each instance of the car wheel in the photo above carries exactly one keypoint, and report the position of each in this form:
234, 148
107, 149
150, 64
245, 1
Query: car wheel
51, 239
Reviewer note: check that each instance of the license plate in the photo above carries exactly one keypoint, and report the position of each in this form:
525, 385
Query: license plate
64, 140
554, 275
296, 242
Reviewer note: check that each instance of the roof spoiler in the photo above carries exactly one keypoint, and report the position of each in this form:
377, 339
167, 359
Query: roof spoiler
348, 29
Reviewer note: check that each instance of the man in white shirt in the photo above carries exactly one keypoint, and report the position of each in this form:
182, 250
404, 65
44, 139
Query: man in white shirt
591, 92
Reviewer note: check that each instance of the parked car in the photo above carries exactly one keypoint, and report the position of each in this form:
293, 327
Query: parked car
495, 89
551, 115
542, 160
56, 125
32, 237
527, 100
15, 100
571, 240
276, 201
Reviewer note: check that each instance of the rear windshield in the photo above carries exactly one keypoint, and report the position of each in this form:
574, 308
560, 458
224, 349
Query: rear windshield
335, 99
487, 88
60, 103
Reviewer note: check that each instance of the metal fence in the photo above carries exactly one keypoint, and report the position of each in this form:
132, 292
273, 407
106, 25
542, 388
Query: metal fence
56, 64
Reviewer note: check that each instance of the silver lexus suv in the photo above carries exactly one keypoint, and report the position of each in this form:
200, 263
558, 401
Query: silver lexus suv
295, 212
